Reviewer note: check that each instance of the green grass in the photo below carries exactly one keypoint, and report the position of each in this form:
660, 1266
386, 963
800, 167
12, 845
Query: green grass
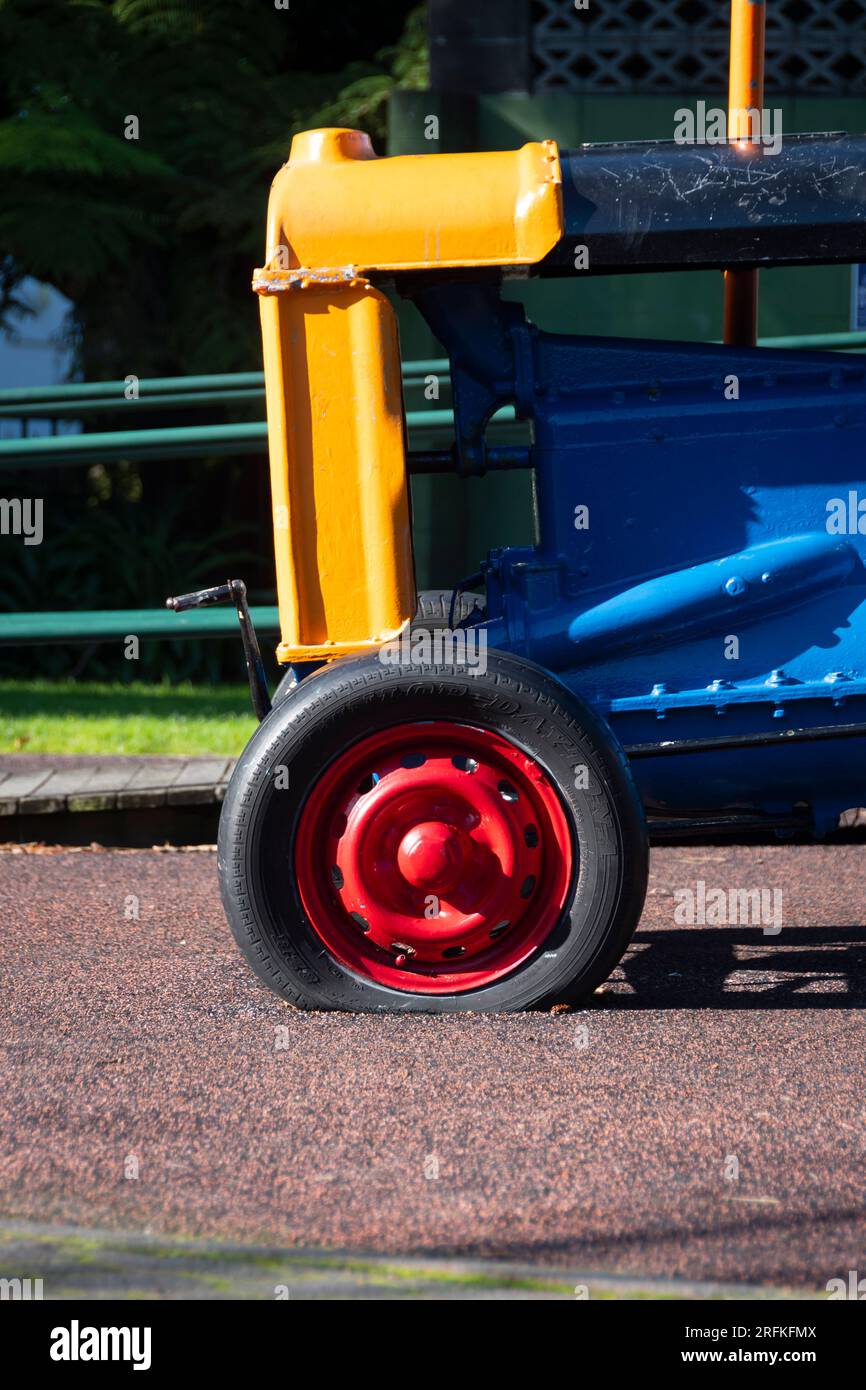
112, 1264
76, 717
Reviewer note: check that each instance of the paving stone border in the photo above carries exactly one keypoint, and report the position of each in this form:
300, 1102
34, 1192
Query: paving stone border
45, 785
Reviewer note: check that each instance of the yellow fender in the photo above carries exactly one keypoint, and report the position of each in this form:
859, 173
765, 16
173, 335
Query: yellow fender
336, 428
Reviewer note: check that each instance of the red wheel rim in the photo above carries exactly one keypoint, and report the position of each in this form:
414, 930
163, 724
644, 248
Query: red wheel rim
433, 858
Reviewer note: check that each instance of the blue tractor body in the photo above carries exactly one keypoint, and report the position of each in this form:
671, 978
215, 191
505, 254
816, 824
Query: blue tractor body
699, 571
681, 653
698, 574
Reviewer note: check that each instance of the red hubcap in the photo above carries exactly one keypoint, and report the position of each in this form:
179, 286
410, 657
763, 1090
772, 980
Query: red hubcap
433, 858
435, 855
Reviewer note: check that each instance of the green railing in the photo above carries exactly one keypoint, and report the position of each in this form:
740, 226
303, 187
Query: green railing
81, 399
31, 629
427, 428
223, 388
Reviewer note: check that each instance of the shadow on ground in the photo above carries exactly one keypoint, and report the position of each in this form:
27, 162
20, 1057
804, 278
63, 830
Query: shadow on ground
741, 968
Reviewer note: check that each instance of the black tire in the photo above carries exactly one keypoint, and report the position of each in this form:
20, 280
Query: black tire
344, 702
434, 608
433, 612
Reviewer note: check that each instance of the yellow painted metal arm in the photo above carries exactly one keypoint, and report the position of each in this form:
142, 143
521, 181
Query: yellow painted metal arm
335, 204
338, 478
336, 429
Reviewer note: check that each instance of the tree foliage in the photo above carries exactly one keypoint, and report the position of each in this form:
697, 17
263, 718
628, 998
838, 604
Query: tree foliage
153, 238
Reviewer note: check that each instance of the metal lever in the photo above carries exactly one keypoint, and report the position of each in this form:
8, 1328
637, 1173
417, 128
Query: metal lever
200, 598
234, 592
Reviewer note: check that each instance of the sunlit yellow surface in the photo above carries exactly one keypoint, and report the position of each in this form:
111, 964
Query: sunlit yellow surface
345, 576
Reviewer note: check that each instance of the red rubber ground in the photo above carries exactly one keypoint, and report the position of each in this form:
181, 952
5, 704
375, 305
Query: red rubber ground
599, 1139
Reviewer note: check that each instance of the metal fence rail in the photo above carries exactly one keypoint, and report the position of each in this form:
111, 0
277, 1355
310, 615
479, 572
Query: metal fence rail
225, 388
413, 372
114, 625
426, 427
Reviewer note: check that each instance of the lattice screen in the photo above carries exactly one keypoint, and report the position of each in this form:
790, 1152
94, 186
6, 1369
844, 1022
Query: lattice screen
813, 46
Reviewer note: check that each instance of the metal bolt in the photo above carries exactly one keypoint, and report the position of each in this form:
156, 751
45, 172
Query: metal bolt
735, 586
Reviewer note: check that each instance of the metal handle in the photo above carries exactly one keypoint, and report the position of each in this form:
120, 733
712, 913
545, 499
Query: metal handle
234, 592
200, 598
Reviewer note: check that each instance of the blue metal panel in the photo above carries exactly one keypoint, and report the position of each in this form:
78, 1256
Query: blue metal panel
699, 570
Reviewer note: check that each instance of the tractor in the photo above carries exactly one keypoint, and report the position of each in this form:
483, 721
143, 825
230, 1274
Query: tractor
462, 824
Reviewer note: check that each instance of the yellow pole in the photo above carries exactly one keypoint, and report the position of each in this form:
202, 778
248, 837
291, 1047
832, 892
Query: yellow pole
745, 93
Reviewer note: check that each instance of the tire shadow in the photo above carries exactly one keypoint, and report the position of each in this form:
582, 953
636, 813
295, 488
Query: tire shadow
740, 968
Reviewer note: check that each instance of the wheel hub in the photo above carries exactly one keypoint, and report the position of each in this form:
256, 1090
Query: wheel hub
433, 857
